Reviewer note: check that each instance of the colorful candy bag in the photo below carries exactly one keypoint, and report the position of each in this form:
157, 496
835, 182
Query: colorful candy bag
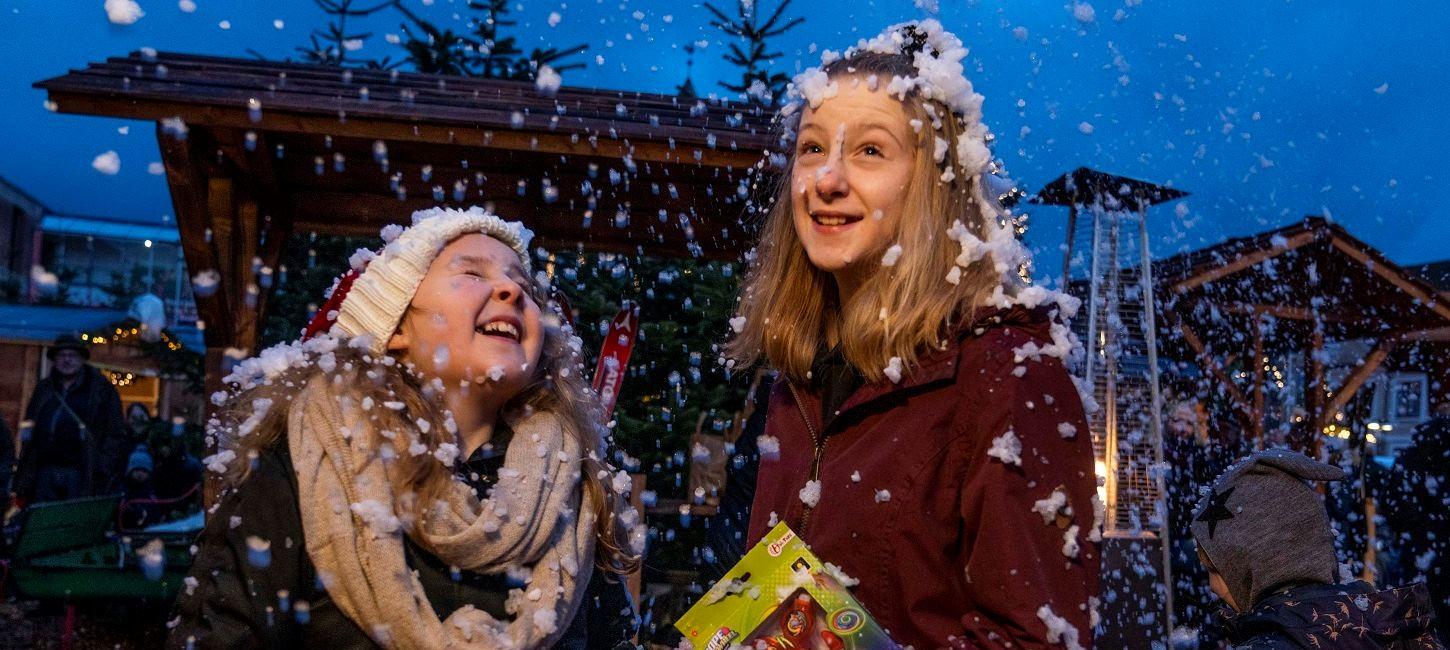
780, 596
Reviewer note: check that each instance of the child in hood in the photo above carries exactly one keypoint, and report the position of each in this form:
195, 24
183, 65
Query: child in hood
1264, 537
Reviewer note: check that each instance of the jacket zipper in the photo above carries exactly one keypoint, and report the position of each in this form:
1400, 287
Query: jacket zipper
820, 452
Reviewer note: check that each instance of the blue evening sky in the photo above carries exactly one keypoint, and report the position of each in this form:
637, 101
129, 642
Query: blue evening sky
1266, 110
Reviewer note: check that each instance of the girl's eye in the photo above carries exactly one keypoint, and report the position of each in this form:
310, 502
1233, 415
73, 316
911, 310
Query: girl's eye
811, 148
871, 150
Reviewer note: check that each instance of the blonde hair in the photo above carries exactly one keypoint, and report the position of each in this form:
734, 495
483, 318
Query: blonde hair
557, 386
790, 307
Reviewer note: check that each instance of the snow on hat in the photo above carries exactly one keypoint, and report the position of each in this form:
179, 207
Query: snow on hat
370, 300
1264, 527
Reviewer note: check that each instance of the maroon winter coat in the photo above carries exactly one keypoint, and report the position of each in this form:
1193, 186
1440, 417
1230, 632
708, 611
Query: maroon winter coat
955, 556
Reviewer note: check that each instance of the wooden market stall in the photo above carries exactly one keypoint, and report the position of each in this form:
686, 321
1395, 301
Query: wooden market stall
1294, 290
257, 150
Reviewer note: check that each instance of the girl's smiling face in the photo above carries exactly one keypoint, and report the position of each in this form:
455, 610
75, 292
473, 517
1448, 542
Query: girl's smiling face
855, 155
473, 318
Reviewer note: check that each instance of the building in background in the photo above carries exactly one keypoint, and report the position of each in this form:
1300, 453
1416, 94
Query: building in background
20, 216
98, 279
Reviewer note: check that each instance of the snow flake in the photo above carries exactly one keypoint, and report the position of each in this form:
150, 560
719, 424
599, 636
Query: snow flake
1050, 506
377, 515
892, 255
1070, 546
811, 493
546, 620
446, 453
1066, 430
1059, 630
882, 496
893, 370
1007, 448
738, 324
123, 12
259, 552
621, 482
769, 446
856, 477
547, 81
108, 163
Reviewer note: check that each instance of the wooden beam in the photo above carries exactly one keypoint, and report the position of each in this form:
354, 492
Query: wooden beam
1216, 271
190, 202
1441, 335
1206, 360
219, 219
1314, 388
647, 145
1427, 298
1356, 379
1287, 312
1257, 414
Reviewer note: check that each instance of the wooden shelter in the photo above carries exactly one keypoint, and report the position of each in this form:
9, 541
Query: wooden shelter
257, 150
1292, 290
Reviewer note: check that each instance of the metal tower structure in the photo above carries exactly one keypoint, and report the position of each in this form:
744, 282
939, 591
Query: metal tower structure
1107, 264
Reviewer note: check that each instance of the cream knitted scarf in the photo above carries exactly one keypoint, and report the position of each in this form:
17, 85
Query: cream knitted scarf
531, 524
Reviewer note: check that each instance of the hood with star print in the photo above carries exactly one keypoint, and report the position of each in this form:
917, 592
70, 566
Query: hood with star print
1263, 526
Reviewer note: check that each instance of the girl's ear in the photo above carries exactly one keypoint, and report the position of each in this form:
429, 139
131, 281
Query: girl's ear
398, 342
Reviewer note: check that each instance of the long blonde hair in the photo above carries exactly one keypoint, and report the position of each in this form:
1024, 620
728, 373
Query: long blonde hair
789, 305
254, 417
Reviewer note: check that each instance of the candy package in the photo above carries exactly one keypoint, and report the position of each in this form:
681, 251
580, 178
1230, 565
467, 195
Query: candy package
780, 596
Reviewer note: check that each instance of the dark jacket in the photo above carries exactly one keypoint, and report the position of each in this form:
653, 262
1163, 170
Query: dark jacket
1416, 503
236, 604
1344, 617
952, 552
98, 450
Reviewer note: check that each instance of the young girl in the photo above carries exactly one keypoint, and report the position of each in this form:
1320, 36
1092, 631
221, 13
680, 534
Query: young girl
924, 434
423, 469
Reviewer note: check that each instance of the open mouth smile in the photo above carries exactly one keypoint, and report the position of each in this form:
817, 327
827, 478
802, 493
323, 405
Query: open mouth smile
502, 327
834, 219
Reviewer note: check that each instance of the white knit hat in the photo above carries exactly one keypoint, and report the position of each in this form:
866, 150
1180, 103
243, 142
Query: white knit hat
386, 281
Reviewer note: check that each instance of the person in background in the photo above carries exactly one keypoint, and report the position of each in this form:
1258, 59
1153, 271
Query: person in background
1416, 504
1264, 537
138, 505
7, 459
77, 443
139, 421
178, 474
1189, 455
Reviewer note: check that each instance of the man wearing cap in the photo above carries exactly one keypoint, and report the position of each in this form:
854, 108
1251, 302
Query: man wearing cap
75, 445
1264, 537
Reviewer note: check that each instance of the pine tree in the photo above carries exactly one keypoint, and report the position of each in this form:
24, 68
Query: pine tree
330, 45
484, 52
758, 84
434, 50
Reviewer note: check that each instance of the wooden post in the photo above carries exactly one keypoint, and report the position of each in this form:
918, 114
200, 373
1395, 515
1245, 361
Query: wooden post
1257, 410
1314, 412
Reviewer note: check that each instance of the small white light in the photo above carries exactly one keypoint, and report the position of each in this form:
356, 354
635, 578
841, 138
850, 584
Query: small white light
148, 243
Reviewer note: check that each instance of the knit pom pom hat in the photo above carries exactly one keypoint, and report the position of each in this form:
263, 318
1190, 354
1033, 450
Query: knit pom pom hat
367, 303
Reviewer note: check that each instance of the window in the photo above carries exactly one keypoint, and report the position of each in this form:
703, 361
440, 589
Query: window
1409, 398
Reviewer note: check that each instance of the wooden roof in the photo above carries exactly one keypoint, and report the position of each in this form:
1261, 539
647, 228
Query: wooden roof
669, 153
1291, 277
1084, 186
273, 148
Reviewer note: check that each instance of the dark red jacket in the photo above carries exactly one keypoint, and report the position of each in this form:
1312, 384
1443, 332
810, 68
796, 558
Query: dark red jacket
956, 556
